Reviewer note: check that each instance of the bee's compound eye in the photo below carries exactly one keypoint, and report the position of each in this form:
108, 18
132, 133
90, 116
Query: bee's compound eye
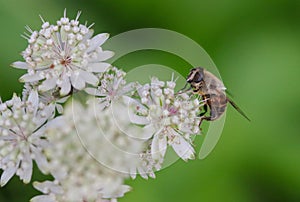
197, 77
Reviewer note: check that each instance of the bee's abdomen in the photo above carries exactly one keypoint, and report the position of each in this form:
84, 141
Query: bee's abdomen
217, 104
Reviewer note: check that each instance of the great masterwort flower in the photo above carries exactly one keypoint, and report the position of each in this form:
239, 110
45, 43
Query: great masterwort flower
112, 87
90, 156
22, 137
168, 119
63, 56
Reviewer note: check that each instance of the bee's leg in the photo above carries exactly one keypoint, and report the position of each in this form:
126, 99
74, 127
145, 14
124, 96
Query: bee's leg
205, 107
205, 98
184, 90
205, 110
183, 87
207, 118
213, 116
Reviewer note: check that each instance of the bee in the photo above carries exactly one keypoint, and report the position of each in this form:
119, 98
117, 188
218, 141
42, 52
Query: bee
212, 91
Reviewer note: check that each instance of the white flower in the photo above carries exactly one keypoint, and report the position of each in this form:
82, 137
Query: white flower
48, 98
167, 119
146, 165
22, 137
63, 56
112, 87
90, 156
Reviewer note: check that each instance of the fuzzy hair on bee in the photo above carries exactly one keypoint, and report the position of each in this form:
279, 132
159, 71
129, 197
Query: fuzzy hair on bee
212, 91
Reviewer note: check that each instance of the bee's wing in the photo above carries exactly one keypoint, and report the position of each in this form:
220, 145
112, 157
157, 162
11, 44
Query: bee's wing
212, 82
216, 86
237, 108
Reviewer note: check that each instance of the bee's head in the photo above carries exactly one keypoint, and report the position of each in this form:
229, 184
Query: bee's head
195, 76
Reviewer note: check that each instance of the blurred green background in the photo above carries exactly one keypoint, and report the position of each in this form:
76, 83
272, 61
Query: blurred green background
256, 47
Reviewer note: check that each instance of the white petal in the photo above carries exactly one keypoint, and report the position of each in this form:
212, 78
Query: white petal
10, 137
158, 146
77, 82
43, 65
120, 191
59, 174
43, 143
142, 173
155, 148
132, 102
65, 87
47, 84
30, 78
129, 87
63, 34
99, 67
48, 185
163, 145
63, 100
89, 77
104, 55
148, 131
15, 99
40, 186
26, 167
132, 172
97, 41
93, 91
87, 36
7, 175
20, 65
58, 122
40, 160
140, 120
59, 108
182, 148
48, 112
33, 98
43, 198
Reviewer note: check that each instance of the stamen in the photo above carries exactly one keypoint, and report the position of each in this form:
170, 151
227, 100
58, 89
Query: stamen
28, 29
42, 19
66, 62
24, 36
78, 15
91, 25
65, 13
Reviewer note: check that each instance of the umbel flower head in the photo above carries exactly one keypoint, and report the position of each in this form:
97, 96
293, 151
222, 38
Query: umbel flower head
168, 119
102, 154
112, 87
22, 136
63, 56
89, 149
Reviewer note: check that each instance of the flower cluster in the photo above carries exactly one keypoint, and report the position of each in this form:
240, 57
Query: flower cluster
112, 87
22, 129
63, 56
89, 146
103, 155
168, 119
